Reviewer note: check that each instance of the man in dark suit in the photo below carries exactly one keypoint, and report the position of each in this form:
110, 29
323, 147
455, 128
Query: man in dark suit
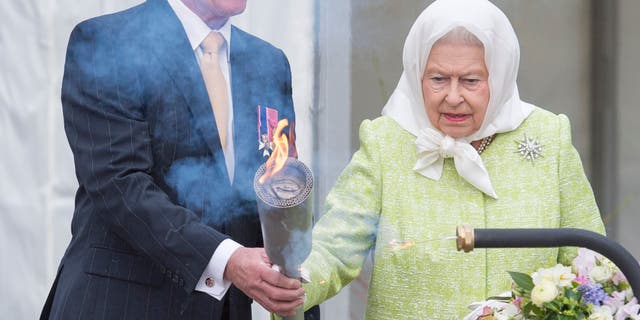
166, 224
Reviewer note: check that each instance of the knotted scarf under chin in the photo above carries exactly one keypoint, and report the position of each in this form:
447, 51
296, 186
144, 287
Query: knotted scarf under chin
434, 147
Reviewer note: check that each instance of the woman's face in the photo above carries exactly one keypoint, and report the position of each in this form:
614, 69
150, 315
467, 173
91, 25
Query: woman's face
455, 88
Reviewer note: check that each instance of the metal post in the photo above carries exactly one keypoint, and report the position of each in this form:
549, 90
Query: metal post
604, 109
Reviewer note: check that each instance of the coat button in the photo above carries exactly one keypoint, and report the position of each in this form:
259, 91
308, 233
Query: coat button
209, 282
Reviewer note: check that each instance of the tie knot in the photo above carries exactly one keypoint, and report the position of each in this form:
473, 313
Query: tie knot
212, 42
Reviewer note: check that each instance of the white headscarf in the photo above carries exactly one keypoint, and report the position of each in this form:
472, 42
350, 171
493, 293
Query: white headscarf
505, 111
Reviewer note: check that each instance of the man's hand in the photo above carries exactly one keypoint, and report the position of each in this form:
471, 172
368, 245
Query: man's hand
250, 270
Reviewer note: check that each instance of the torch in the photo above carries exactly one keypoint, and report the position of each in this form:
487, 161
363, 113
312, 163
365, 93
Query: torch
468, 238
283, 187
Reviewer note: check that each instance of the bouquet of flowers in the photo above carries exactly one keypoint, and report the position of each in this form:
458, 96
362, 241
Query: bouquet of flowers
591, 288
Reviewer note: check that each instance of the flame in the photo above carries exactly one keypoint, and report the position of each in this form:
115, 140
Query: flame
398, 245
407, 245
293, 151
280, 152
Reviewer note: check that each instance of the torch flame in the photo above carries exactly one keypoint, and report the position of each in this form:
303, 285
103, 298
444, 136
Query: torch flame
276, 161
293, 151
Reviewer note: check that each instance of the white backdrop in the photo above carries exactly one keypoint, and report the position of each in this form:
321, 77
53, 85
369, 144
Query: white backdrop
37, 180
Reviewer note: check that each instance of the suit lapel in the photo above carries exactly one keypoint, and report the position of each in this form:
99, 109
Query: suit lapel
170, 45
245, 121
239, 85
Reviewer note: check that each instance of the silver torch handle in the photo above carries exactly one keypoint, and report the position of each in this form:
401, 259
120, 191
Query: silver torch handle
286, 216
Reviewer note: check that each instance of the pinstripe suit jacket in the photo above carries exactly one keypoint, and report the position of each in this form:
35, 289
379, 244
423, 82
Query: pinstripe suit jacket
154, 200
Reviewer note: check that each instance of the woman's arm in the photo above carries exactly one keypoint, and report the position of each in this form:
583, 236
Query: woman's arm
343, 237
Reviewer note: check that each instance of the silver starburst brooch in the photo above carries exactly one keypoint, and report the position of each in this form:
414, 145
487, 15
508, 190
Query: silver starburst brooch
529, 149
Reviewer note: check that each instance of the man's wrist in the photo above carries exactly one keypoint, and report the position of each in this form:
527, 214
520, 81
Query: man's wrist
212, 280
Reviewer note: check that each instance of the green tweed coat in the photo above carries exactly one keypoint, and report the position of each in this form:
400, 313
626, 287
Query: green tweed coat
380, 204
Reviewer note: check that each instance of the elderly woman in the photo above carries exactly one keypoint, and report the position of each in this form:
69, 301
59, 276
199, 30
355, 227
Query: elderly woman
455, 144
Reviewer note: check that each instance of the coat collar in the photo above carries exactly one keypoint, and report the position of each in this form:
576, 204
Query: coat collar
171, 47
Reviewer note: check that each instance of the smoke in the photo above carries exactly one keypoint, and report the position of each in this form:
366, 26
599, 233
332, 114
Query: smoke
297, 249
199, 185
161, 88
184, 177
258, 77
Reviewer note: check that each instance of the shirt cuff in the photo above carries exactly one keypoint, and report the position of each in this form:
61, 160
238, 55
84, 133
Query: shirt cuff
212, 281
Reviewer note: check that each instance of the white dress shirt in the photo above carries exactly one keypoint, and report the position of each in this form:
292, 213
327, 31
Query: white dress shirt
212, 281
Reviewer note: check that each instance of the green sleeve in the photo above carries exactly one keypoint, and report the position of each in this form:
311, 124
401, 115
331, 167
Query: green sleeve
344, 235
578, 207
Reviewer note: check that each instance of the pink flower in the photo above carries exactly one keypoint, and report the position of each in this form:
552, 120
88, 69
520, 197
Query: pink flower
486, 311
615, 300
585, 262
582, 280
629, 310
517, 302
618, 277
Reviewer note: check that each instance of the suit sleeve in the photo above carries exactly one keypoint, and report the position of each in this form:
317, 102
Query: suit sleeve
105, 123
578, 207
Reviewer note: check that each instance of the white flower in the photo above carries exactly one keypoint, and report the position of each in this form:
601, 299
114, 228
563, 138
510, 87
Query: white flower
560, 275
544, 291
601, 313
541, 275
601, 273
478, 308
508, 312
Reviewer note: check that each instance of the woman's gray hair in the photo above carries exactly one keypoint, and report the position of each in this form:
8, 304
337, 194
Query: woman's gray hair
460, 35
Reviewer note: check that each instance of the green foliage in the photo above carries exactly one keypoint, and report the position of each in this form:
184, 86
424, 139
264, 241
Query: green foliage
566, 306
558, 292
522, 280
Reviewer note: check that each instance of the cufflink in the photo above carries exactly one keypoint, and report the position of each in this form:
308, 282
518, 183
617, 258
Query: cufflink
276, 267
304, 276
209, 282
